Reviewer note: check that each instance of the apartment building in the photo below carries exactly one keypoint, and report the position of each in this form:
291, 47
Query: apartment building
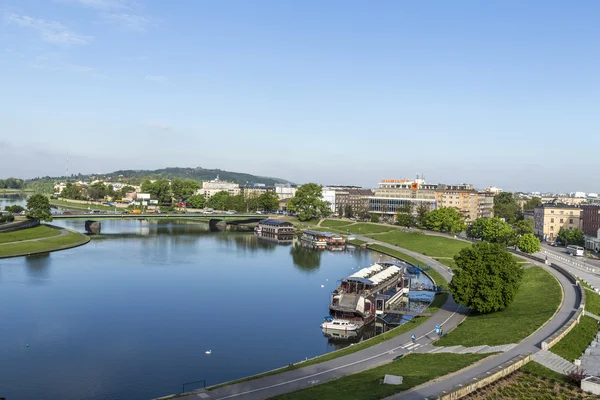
400, 195
548, 219
209, 188
590, 220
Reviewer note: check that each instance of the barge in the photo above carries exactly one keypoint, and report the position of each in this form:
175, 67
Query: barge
323, 239
368, 292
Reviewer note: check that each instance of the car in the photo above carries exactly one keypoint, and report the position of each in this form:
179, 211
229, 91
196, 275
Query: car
67, 213
259, 212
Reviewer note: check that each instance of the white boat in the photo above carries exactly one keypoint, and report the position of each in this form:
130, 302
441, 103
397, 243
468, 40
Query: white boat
339, 325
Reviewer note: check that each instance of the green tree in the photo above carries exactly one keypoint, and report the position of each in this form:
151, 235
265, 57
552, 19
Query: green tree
161, 191
15, 209
308, 202
571, 237
38, 206
523, 227
532, 203
348, 212
487, 278
183, 189
237, 203
492, 230
71, 191
375, 218
407, 220
528, 243
505, 206
218, 201
422, 211
196, 201
268, 201
97, 191
445, 219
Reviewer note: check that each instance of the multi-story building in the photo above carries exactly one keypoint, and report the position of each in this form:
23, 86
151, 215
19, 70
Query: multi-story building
571, 201
285, 190
358, 200
401, 195
485, 205
463, 198
255, 190
549, 218
590, 216
209, 188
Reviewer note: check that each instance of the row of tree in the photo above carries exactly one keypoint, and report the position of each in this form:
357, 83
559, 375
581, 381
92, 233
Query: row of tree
267, 201
12, 183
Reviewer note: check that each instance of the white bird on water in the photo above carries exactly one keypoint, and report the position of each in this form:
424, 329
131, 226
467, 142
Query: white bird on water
209, 352
322, 285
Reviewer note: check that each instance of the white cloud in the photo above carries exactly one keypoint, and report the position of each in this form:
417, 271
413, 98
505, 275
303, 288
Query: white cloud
157, 78
50, 31
132, 22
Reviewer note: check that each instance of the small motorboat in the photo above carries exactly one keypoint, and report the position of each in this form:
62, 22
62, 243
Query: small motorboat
258, 229
339, 325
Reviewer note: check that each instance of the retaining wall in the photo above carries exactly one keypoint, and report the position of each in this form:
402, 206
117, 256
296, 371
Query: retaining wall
485, 378
19, 225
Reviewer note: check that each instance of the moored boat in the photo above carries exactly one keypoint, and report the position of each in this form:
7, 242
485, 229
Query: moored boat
339, 325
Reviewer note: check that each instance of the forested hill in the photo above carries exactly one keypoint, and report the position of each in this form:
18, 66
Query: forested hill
199, 174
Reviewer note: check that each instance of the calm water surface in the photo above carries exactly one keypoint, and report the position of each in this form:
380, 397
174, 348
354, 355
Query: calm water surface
131, 316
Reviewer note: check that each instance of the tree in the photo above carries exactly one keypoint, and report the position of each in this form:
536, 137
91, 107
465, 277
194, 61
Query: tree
487, 277
529, 244
71, 191
308, 202
374, 217
218, 201
97, 191
568, 237
237, 203
532, 203
407, 220
268, 201
445, 219
15, 209
505, 206
523, 227
38, 206
184, 188
348, 212
422, 211
196, 201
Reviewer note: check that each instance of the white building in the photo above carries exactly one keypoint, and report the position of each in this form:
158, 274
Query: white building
209, 188
329, 196
493, 189
285, 190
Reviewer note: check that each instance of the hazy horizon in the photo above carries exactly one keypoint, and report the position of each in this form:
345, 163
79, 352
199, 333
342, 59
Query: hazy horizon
495, 94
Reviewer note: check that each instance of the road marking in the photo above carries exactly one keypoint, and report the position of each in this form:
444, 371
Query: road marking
332, 369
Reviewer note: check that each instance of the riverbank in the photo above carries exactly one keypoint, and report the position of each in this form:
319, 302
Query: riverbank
41, 239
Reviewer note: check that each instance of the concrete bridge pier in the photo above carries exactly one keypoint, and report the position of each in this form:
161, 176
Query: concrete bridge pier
217, 225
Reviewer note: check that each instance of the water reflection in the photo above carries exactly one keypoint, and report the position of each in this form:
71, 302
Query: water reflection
307, 260
38, 266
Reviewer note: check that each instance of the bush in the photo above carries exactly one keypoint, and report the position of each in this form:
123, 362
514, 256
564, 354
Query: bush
7, 218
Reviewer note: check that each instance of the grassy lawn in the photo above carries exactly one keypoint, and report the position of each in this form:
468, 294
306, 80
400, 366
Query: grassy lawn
436, 276
584, 285
27, 234
592, 302
83, 206
538, 369
449, 262
356, 242
523, 384
334, 223
48, 244
433, 246
574, 344
415, 368
536, 301
365, 228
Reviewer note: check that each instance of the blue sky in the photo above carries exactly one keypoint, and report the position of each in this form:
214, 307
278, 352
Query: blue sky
502, 93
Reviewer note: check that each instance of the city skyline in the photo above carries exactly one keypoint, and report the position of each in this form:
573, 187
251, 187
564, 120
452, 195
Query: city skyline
490, 94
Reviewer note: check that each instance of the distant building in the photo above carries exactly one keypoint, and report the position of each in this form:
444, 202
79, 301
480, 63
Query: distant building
397, 195
462, 197
209, 188
590, 215
485, 205
568, 200
285, 190
493, 189
255, 189
548, 219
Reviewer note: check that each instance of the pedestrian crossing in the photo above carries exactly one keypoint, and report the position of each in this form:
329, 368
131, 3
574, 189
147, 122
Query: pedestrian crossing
410, 346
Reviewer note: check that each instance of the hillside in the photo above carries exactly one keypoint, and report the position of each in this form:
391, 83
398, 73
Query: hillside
199, 174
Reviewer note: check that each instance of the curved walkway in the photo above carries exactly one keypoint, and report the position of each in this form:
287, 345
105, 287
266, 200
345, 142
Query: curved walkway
449, 316
63, 232
532, 344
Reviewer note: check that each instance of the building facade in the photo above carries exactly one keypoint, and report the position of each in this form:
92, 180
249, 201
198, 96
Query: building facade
209, 188
401, 195
463, 198
548, 219
590, 216
485, 205
285, 190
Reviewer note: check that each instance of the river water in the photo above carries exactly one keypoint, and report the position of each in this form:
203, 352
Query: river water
131, 315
